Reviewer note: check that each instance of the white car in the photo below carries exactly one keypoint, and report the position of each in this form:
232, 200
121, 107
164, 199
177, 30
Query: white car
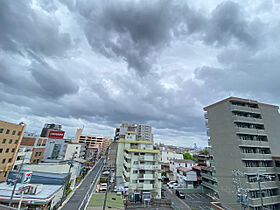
173, 186
171, 182
103, 187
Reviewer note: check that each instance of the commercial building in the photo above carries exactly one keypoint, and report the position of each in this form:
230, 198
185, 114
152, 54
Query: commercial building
52, 130
244, 136
10, 139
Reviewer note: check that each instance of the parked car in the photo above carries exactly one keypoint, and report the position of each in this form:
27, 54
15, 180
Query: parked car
103, 187
171, 182
164, 179
173, 186
105, 172
180, 194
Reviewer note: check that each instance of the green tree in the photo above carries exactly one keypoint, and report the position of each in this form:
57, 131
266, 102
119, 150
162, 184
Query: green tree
204, 152
188, 156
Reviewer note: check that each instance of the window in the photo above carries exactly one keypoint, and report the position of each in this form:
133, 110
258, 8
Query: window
16, 141
38, 160
142, 153
1, 130
34, 161
136, 153
36, 154
4, 141
39, 153
19, 133
14, 132
1, 150
10, 160
13, 150
135, 171
4, 160
10, 141
135, 162
7, 131
7, 150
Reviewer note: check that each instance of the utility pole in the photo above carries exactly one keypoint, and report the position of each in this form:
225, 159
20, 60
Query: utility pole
105, 199
15, 181
260, 190
242, 196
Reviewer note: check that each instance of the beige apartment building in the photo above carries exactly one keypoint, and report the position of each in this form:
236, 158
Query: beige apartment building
92, 141
10, 138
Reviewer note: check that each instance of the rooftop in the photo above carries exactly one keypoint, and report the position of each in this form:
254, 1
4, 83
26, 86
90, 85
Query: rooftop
181, 161
238, 99
46, 194
184, 169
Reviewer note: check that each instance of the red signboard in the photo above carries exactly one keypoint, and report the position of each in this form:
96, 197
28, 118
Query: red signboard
56, 134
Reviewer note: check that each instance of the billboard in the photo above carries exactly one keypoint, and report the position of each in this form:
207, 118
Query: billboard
56, 134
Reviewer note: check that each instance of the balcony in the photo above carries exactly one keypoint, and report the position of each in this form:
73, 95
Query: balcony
266, 200
255, 169
207, 176
208, 185
149, 167
254, 185
250, 131
254, 143
247, 119
256, 156
147, 186
127, 155
146, 176
245, 109
128, 165
146, 158
206, 115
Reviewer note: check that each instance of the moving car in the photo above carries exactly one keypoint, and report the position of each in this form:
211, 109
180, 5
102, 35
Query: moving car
180, 194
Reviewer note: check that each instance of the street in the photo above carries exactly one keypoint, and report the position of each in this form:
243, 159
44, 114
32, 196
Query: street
177, 201
79, 199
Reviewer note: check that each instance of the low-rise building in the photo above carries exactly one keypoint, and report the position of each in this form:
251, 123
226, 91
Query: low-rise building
174, 163
167, 155
23, 157
186, 177
35, 144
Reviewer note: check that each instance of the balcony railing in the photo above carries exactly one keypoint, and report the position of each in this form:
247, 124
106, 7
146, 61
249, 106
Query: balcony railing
266, 200
262, 169
256, 156
146, 176
253, 143
249, 131
244, 108
247, 119
149, 167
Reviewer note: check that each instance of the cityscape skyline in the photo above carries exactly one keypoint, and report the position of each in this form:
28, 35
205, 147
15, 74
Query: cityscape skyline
135, 61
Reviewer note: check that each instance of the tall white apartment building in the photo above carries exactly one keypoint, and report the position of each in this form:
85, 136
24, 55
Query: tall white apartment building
145, 132
244, 136
138, 165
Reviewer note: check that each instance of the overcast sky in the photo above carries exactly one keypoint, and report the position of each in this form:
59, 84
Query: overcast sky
96, 63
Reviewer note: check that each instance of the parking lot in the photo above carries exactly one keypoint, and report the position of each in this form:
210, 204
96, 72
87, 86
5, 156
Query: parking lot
199, 201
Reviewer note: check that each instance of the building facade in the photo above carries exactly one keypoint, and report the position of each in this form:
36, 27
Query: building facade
35, 144
244, 136
138, 165
10, 138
